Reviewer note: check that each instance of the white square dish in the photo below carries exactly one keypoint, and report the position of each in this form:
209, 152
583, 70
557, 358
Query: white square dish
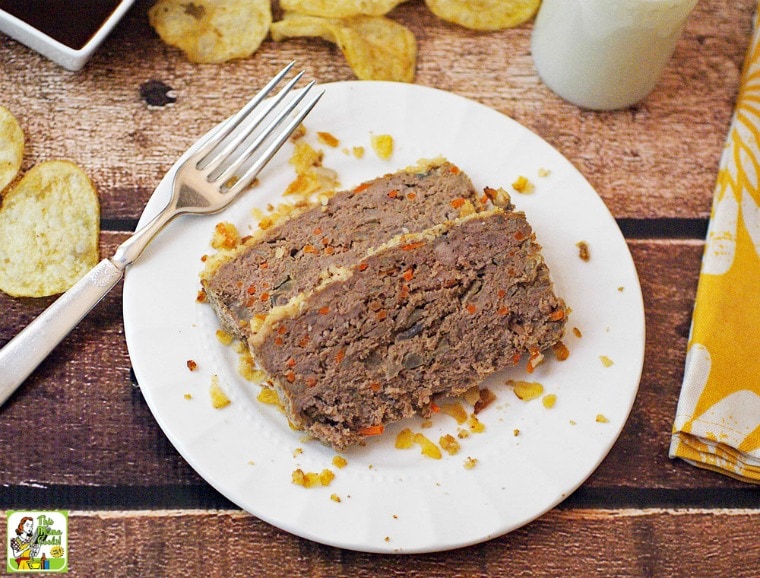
65, 31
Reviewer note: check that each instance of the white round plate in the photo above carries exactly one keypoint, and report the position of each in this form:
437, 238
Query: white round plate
529, 458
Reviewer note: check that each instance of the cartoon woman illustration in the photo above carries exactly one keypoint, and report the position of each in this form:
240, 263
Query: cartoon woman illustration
23, 545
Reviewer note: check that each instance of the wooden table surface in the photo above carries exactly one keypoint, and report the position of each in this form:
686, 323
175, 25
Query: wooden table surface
79, 436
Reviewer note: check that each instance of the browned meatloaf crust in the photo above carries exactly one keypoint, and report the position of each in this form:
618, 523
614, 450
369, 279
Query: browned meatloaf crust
427, 314
287, 259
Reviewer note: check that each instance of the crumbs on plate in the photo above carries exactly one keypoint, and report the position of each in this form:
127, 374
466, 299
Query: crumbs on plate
218, 398
583, 251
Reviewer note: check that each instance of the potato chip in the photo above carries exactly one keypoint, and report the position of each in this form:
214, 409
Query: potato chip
11, 147
484, 14
375, 47
49, 228
340, 8
210, 31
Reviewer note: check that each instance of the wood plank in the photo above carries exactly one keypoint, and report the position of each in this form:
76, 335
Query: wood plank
561, 543
656, 159
83, 397
668, 272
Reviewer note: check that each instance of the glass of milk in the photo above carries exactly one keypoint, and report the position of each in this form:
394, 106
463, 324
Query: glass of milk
606, 54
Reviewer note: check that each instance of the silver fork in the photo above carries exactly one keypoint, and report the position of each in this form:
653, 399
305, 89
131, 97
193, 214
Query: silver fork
208, 180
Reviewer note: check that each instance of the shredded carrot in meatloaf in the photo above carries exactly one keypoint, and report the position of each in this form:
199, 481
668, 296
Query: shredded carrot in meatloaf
557, 315
372, 430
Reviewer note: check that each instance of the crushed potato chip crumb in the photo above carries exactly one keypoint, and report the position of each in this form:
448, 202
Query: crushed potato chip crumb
326, 477
247, 368
312, 479
475, 425
523, 185
526, 390
328, 139
472, 395
305, 157
606, 361
224, 337
404, 439
455, 410
192, 365
583, 250
268, 396
549, 400
312, 179
188, 396
485, 398
382, 144
449, 444
218, 398
601, 418
470, 463
561, 352
335, 498
427, 447
339, 462
301, 478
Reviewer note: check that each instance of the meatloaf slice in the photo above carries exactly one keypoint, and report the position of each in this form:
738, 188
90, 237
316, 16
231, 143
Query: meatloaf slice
426, 314
276, 264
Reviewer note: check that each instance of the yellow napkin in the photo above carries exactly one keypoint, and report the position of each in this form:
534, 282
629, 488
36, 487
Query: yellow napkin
717, 423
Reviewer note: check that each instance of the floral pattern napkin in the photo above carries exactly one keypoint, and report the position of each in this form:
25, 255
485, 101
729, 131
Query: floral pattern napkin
717, 423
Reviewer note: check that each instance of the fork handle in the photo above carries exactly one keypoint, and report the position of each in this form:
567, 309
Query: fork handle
22, 354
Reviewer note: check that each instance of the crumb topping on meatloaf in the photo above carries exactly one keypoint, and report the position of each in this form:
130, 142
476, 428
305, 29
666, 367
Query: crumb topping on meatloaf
425, 314
285, 260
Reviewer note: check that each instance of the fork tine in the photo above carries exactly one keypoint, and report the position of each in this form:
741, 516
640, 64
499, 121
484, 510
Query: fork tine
244, 155
226, 128
250, 174
248, 125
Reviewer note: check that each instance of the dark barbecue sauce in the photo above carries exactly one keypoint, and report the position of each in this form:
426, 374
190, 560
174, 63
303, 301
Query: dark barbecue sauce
70, 22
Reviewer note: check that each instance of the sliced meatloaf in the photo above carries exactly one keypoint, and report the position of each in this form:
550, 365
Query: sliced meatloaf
425, 314
285, 260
